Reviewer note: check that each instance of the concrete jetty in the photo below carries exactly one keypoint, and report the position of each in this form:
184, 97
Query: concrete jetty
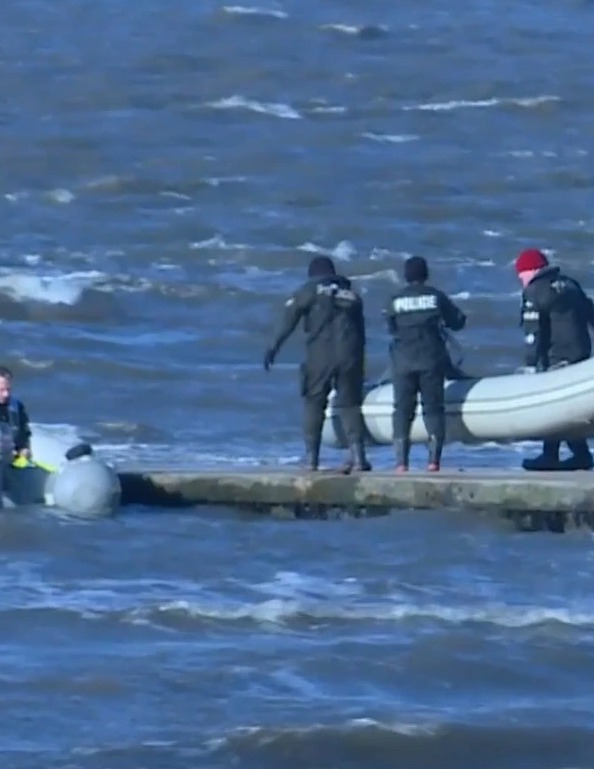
533, 500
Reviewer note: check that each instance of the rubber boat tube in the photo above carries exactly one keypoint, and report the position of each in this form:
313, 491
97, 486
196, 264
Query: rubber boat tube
82, 485
500, 409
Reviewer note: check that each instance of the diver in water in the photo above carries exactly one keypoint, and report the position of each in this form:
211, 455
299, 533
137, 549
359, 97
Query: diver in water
14, 418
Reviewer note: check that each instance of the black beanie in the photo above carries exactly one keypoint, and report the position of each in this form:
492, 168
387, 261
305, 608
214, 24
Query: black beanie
415, 270
321, 266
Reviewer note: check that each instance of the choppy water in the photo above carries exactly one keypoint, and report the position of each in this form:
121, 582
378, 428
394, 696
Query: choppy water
168, 169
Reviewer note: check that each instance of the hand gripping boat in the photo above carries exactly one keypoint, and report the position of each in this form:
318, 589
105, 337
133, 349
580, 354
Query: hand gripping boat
500, 409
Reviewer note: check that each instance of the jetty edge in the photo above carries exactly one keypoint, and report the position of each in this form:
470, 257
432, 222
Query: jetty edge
298, 493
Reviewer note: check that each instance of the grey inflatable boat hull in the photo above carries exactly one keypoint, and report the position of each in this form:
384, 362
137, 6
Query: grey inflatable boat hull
499, 409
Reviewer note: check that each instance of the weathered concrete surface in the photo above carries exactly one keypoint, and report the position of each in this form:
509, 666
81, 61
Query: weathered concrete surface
566, 493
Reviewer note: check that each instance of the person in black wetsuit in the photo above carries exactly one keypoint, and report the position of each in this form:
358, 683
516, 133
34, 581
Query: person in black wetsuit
556, 316
334, 325
416, 316
13, 417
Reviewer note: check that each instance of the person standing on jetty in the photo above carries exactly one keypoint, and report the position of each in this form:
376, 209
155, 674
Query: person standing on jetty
334, 325
416, 316
556, 315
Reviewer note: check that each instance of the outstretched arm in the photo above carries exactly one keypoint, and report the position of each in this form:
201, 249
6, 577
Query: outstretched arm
294, 310
292, 314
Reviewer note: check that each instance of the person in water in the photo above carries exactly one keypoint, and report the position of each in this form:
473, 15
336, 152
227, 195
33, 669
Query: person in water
14, 415
416, 315
556, 316
334, 325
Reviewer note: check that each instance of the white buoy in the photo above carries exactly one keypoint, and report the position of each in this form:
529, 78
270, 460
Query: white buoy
84, 485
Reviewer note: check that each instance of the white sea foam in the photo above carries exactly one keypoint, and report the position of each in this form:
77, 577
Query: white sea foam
16, 197
522, 154
287, 597
107, 182
64, 288
528, 102
282, 610
290, 595
217, 181
41, 364
49, 443
275, 109
355, 29
268, 735
347, 29
217, 242
390, 138
248, 10
479, 263
329, 110
32, 259
174, 195
158, 453
60, 195
343, 251
390, 275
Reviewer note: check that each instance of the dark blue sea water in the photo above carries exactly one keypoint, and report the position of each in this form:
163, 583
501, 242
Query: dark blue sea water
168, 170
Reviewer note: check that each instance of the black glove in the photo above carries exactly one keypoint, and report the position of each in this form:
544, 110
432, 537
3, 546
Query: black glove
269, 357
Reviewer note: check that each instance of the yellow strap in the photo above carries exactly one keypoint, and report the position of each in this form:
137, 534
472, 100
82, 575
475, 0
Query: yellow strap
20, 463
47, 468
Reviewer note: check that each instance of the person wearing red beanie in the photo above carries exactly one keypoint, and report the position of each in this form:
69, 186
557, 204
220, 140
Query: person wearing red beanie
531, 260
556, 316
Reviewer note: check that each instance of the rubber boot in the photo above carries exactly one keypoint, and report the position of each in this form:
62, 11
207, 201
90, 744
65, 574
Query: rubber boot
361, 463
313, 422
435, 446
548, 460
352, 421
581, 458
356, 461
402, 451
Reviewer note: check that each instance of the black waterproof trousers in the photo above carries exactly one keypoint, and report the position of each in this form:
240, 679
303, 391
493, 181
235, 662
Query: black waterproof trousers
580, 459
316, 384
407, 386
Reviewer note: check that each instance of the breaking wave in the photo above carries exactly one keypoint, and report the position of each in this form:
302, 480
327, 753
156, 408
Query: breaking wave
527, 102
274, 109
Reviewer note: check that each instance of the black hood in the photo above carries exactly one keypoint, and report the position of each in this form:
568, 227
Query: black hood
416, 270
321, 267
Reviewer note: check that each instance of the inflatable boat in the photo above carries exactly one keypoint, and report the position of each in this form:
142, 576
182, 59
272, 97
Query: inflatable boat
500, 409
74, 481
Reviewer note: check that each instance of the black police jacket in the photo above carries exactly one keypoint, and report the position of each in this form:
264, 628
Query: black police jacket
416, 316
556, 314
333, 321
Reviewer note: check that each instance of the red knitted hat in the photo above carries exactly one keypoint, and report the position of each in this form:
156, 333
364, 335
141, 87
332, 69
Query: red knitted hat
531, 259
